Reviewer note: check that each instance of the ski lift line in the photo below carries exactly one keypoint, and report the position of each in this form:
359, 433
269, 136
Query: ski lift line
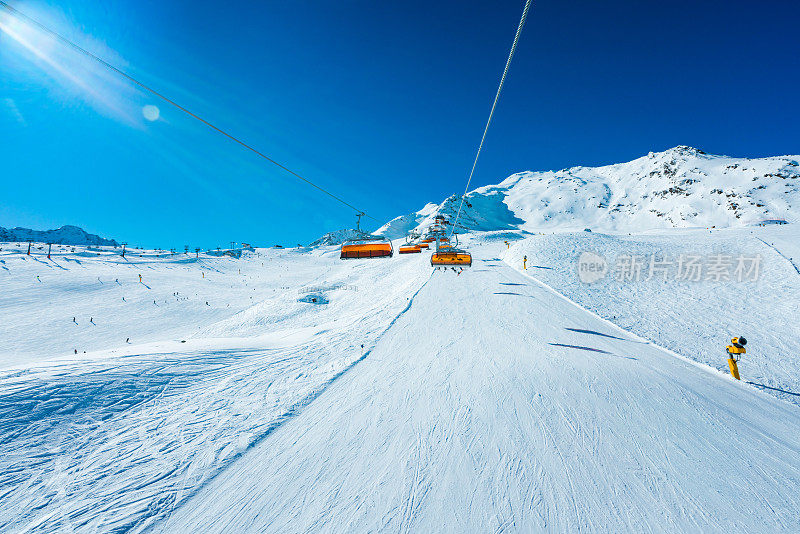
494, 105
122, 73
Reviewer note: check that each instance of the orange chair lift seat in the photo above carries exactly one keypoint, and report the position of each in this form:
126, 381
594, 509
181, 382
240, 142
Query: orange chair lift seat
451, 257
366, 249
409, 249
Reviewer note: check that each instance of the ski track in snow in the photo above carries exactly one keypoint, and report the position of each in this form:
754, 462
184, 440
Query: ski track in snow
784, 256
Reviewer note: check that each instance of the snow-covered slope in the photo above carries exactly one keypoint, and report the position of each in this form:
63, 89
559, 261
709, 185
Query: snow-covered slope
693, 313
400, 226
681, 187
314, 394
221, 353
494, 405
66, 235
86, 300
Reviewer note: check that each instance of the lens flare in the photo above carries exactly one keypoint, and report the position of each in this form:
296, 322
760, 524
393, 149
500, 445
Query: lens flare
151, 112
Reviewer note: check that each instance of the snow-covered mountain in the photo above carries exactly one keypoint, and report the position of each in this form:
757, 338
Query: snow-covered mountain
680, 187
337, 238
66, 235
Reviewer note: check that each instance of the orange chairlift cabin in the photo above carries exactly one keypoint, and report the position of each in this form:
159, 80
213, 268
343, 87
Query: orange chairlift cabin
366, 245
448, 255
410, 247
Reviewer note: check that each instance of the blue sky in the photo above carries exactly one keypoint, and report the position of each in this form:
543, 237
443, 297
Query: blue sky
382, 102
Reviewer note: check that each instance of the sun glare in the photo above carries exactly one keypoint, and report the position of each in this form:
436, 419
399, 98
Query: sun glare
69, 70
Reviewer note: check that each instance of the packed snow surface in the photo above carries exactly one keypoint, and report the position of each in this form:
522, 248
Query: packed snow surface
694, 316
219, 396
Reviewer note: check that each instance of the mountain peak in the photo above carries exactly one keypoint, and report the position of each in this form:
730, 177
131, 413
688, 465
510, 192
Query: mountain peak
680, 150
66, 235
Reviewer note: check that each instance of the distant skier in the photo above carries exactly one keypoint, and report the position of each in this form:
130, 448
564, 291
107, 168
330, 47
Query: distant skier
140, 279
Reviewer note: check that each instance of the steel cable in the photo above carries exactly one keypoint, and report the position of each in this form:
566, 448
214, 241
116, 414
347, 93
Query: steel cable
494, 105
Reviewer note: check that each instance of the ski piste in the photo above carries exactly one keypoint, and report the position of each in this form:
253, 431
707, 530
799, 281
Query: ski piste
385, 395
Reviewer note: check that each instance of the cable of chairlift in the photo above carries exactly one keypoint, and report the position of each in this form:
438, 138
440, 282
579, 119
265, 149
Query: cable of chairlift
494, 105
